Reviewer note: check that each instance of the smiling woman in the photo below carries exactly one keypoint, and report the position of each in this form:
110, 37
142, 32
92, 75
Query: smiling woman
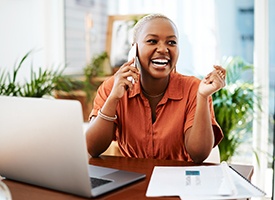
165, 44
157, 94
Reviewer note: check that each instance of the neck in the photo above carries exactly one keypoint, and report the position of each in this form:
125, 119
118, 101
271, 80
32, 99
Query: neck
154, 87
152, 96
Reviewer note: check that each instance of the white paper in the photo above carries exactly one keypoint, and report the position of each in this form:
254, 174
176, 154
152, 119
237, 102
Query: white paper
200, 182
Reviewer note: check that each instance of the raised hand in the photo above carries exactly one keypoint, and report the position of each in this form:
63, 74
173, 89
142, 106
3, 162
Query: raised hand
213, 82
121, 83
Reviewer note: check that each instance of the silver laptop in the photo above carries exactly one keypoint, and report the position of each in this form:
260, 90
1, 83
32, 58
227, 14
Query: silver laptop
42, 143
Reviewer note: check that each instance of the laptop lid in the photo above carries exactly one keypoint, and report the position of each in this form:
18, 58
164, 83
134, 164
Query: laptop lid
42, 143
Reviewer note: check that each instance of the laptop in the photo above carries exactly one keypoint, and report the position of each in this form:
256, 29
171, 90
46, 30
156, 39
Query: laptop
42, 142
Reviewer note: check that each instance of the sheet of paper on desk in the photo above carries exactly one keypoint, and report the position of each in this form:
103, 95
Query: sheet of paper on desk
200, 182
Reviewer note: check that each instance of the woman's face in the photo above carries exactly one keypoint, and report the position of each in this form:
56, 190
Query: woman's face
158, 48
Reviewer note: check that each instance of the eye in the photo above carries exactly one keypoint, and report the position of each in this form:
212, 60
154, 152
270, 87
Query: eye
172, 42
152, 41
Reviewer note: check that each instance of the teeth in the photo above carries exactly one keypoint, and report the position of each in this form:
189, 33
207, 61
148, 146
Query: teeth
160, 61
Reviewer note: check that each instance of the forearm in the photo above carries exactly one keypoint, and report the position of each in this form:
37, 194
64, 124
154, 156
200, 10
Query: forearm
200, 137
100, 133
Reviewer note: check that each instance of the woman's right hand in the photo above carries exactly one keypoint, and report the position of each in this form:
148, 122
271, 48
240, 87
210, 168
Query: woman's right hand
121, 83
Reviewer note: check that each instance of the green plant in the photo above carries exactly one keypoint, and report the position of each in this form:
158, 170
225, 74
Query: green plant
68, 83
95, 67
234, 106
9, 86
41, 83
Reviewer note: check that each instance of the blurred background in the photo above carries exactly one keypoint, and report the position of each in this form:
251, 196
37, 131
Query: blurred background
73, 33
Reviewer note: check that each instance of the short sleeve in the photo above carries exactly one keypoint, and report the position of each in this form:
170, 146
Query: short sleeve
102, 94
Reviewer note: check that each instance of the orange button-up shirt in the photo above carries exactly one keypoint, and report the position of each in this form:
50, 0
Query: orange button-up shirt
135, 133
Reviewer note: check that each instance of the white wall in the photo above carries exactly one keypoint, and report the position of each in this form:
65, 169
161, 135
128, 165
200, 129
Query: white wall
31, 25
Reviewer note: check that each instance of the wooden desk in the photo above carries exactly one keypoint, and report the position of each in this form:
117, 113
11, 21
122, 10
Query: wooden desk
137, 190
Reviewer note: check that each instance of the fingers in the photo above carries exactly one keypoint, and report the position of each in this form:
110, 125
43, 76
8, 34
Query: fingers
127, 75
130, 71
221, 74
221, 71
216, 76
213, 81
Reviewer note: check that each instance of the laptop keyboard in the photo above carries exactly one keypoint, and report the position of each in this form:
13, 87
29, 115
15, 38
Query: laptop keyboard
98, 182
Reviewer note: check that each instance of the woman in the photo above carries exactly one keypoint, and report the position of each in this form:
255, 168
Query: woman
162, 114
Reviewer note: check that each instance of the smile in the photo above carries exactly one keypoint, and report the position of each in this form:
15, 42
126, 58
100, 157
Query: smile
160, 62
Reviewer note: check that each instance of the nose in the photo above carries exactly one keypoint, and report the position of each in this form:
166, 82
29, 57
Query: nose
162, 48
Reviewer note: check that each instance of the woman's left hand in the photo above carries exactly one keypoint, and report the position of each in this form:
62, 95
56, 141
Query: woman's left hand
213, 82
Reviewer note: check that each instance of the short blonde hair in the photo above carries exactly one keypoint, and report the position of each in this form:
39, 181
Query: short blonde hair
146, 19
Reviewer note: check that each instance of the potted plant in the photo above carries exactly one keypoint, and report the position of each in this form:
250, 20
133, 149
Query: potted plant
41, 83
234, 106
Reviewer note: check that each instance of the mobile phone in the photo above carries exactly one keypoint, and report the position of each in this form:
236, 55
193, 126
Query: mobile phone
133, 54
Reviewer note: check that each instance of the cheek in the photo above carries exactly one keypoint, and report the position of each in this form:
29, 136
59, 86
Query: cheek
144, 55
142, 50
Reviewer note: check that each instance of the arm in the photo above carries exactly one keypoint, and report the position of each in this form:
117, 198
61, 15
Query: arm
199, 139
100, 132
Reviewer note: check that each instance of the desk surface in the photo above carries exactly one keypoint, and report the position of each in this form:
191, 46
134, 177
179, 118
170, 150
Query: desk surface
137, 190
